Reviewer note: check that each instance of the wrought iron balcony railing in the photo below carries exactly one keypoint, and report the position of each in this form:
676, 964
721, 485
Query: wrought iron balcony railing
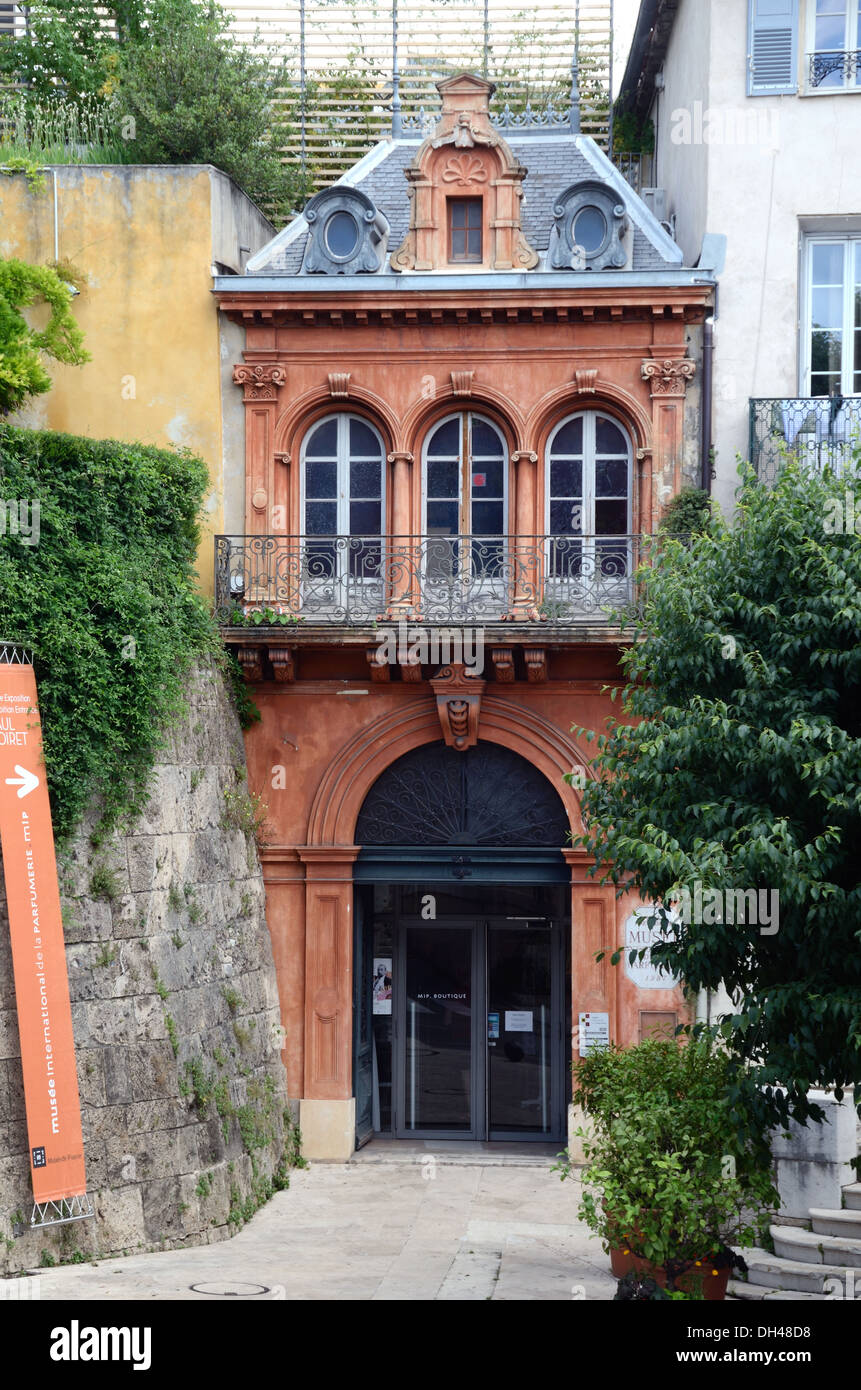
846, 64
433, 579
821, 431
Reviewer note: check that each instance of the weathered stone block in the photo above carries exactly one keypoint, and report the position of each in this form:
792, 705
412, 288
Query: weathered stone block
833, 1141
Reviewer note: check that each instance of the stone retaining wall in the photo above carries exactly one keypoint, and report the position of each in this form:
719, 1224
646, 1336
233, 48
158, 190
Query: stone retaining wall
175, 1010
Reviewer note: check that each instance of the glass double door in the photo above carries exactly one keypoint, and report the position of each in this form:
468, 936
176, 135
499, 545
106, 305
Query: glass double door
478, 1030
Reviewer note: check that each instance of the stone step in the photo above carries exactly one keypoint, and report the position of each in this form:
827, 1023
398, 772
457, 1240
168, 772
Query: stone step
800, 1276
827, 1222
794, 1243
760, 1293
852, 1196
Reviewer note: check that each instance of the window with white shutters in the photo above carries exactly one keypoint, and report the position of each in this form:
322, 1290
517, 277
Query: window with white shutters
772, 47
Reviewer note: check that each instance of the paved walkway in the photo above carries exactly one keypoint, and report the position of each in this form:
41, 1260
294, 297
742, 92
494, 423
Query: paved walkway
425, 1225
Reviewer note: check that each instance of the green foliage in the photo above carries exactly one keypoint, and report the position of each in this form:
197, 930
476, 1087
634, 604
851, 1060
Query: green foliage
161, 988
22, 164
204, 1185
47, 1260
175, 86
244, 811
631, 134
108, 601
22, 346
246, 707
689, 514
54, 129
66, 44
104, 883
199, 95
671, 1174
170, 1025
237, 616
195, 911
231, 998
107, 955
743, 771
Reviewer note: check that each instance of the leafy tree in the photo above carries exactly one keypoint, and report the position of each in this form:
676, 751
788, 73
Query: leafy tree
68, 46
689, 512
739, 767
22, 346
198, 95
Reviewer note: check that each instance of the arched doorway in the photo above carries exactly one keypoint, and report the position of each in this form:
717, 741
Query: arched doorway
462, 930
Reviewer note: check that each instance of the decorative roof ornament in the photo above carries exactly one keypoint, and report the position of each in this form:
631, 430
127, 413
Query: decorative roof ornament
490, 173
589, 224
348, 235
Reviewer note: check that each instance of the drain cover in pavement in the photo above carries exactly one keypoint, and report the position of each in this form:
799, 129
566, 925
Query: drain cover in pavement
230, 1290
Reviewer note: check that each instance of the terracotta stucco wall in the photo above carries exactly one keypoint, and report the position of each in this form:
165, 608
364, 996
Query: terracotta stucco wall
301, 762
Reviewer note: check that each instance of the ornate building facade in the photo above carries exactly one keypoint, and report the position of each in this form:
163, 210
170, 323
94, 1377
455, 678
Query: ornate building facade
470, 382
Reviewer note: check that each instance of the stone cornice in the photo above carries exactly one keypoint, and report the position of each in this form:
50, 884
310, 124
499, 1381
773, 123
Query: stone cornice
543, 301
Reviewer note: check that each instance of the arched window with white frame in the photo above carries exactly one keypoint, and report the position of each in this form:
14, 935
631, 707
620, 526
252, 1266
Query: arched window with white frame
343, 513
588, 509
465, 510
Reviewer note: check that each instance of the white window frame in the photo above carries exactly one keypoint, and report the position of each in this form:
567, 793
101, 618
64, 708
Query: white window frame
343, 583
853, 14
343, 418
589, 418
848, 240
506, 464
591, 576
493, 590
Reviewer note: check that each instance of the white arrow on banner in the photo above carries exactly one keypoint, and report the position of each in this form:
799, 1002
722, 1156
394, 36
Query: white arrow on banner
25, 781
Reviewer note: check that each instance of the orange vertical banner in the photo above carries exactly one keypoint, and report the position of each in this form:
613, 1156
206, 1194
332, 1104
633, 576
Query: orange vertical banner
38, 951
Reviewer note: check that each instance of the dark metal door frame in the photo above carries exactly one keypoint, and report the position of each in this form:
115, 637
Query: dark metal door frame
479, 1090
399, 1032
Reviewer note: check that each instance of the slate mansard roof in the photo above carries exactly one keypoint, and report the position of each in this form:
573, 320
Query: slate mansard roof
553, 162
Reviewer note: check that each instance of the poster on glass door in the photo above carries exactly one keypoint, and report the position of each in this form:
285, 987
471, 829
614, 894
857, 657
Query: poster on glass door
382, 987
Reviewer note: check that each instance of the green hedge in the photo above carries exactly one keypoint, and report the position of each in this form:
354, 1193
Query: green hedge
107, 600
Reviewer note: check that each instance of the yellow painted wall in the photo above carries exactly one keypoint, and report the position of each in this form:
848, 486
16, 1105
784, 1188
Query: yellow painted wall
144, 237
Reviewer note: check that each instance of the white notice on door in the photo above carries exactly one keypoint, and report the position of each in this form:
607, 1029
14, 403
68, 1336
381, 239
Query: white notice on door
594, 1033
518, 1020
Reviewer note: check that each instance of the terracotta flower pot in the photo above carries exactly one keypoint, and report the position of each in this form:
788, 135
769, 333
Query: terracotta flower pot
696, 1275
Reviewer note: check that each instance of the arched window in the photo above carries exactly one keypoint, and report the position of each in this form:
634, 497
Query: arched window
343, 510
588, 481
465, 499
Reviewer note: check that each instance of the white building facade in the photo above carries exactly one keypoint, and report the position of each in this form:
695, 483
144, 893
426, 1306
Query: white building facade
756, 106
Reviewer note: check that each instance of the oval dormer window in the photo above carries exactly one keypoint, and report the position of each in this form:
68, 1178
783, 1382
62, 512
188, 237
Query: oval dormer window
590, 230
342, 235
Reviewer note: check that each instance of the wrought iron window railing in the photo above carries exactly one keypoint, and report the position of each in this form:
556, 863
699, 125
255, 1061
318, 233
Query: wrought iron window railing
846, 64
433, 579
821, 431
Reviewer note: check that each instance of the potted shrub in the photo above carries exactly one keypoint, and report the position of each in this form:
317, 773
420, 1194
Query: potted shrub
670, 1182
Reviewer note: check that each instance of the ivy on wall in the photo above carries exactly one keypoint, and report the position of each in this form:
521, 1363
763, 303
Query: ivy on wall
98, 543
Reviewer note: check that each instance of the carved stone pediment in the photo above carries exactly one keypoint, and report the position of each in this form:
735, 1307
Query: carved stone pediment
458, 702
